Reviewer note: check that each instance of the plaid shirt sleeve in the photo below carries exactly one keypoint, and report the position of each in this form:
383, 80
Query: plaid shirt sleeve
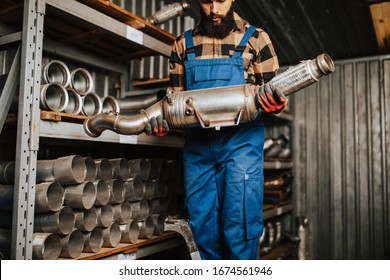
176, 65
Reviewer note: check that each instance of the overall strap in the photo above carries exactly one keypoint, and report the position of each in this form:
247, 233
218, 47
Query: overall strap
242, 45
190, 45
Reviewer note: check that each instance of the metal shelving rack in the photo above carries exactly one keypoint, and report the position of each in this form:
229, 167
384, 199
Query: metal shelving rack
26, 72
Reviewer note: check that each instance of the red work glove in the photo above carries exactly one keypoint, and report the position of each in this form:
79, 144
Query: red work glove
271, 101
157, 127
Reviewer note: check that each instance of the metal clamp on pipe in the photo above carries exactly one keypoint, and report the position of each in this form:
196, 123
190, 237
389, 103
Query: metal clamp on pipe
216, 107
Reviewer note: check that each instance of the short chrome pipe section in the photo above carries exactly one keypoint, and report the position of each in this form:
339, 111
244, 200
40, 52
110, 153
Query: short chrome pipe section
215, 108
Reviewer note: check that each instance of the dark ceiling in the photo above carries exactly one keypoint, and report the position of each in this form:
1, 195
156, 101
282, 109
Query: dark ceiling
302, 29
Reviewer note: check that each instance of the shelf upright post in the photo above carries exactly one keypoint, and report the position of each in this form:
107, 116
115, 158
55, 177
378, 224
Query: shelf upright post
27, 143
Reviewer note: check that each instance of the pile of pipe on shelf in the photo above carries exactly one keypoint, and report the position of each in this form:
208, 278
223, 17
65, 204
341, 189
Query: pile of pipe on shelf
72, 92
83, 204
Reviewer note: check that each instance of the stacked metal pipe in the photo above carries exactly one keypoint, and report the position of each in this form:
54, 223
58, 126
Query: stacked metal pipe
84, 204
68, 91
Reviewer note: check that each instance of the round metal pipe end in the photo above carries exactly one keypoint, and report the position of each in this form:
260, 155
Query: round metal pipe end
92, 104
135, 189
61, 222
112, 235
75, 103
122, 212
81, 81
104, 169
117, 191
93, 240
105, 215
86, 220
72, 245
56, 71
49, 197
91, 169
325, 64
46, 246
81, 196
130, 232
69, 170
140, 210
159, 223
110, 105
54, 97
121, 168
146, 228
102, 192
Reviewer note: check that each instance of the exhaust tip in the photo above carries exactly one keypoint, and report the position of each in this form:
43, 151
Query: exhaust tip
325, 63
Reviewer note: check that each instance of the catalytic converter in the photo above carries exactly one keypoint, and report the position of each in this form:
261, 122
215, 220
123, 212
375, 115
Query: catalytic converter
211, 108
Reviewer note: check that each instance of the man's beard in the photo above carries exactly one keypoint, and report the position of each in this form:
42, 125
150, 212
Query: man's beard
217, 30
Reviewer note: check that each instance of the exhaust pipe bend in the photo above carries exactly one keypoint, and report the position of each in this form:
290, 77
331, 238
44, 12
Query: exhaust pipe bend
217, 107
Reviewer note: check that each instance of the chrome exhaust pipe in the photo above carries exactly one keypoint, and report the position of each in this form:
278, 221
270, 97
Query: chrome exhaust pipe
211, 108
110, 104
92, 104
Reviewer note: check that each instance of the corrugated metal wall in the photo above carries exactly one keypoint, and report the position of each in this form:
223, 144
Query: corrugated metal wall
341, 137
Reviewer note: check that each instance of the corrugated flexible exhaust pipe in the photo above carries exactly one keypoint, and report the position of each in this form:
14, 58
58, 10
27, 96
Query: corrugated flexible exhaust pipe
218, 107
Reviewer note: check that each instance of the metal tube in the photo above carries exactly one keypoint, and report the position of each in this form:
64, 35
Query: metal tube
151, 189
5, 243
140, 168
72, 244
92, 104
139, 210
104, 169
154, 206
219, 107
112, 235
93, 240
6, 197
81, 81
49, 197
121, 168
69, 170
75, 103
117, 191
129, 232
46, 246
86, 220
102, 192
54, 97
146, 228
155, 168
56, 71
105, 215
122, 212
135, 189
159, 223
110, 104
61, 222
91, 169
80, 196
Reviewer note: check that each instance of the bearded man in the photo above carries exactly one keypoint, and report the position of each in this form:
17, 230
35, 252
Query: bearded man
223, 169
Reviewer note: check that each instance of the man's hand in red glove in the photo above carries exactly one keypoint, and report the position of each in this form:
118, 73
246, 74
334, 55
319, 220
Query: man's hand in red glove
271, 101
157, 127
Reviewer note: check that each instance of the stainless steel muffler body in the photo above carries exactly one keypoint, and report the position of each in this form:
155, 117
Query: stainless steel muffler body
216, 107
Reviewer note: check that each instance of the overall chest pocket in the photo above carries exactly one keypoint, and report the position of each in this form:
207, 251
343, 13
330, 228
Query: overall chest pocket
220, 72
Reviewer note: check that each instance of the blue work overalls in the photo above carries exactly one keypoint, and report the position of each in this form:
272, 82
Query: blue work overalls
223, 169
